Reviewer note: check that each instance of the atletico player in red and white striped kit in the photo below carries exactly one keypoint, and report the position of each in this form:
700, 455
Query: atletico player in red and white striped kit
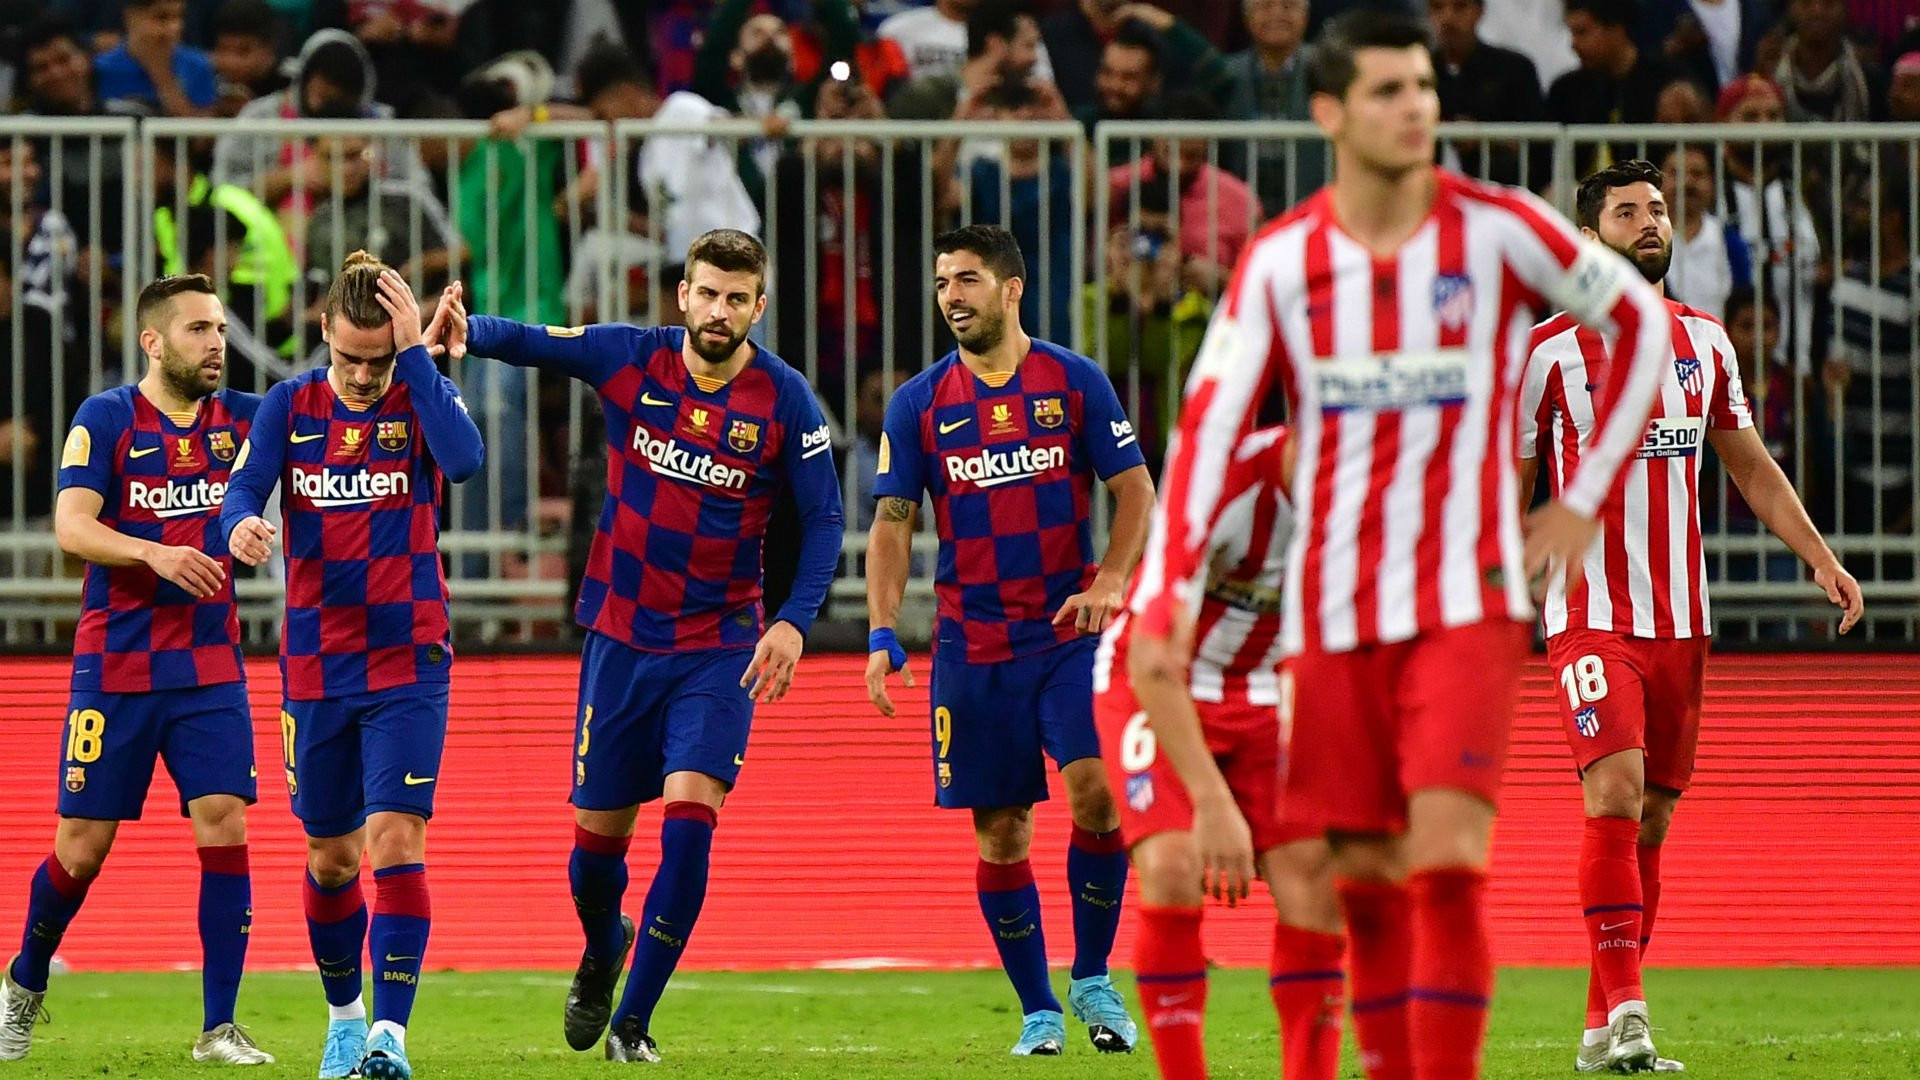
1393, 309
1628, 644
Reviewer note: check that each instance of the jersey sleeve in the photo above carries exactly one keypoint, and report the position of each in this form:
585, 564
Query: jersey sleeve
808, 451
588, 353
1536, 411
262, 457
1106, 434
1729, 408
902, 472
87, 459
1602, 291
452, 437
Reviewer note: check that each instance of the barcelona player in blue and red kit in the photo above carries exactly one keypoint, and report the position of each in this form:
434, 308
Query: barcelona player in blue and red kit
704, 429
156, 657
1008, 435
359, 449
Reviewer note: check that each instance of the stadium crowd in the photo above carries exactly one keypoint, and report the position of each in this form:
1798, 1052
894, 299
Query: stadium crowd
1820, 298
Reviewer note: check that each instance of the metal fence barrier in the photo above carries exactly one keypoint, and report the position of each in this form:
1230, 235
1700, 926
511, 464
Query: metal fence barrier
1129, 238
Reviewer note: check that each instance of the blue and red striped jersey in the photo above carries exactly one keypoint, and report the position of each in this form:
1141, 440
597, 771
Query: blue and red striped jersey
360, 493
693, 466
1011, 470
163, 481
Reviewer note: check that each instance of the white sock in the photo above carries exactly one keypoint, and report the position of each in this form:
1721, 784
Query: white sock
398, 1031
1614, 1014
352, 1010
1595, 1036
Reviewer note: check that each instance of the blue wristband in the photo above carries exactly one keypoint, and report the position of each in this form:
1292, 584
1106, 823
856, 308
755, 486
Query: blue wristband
883, 640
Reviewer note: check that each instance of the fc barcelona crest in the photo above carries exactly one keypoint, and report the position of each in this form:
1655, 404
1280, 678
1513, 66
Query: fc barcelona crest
743, 436
1048, 412
220, 444
76, 778
391, 435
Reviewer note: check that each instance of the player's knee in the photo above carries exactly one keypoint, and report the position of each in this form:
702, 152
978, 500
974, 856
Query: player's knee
1005, 834
219, 820
1094, 809
1169, 869
396, 839
332, 861
1656, 816
1365, 858
81, 846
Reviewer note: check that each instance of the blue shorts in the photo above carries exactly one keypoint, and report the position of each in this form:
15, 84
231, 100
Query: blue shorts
992, 721
351, 756
644, 715
203, 732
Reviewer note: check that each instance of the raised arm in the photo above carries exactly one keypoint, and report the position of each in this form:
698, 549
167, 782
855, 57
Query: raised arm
588, 353
452, 437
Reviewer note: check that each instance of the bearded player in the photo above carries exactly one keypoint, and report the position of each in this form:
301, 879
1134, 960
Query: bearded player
1628, 644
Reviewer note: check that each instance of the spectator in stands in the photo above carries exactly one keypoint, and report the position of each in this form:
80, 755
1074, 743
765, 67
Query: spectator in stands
1759, 200
51, 266
869, 417
1822, 74
1872, 379
354, 212
58, 70
1485, 83
246, 53
1682, 101
837, 313
1903, 90
59, 82
1129, 86
32, 425
1270, 83
1325, 11
1617, 82
1537, 30
417, 52
153, 71
1003, 45
1035, 174
934, 39
745, 66
1753, 328
1216, 210
1076, 38
1710, 41
1710, 258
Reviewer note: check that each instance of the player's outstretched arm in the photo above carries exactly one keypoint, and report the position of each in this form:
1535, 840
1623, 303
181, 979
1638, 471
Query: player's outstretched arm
452, 437
1771, 495
889, 560
255, 472
1093, 611
588, 353
1220, 831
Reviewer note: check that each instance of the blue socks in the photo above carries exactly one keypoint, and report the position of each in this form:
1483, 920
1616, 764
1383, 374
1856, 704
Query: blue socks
1097, 878
51, 904
598, 874
1011, 904
673, 904
402, 916
337, 929
226, 921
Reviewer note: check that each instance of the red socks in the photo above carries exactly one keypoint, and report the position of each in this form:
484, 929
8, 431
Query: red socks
1308, 983
1451, 982
1649, 892
1380, 936
1610, 901
1172, 972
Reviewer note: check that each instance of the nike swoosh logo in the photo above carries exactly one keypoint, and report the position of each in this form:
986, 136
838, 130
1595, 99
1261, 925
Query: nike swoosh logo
305, 438
663, 922
336, 963
1095, 888
143, 453
392, 959
1167, 1002
411, 780
649, 399
1615, 926
739, 759
1015, 919
955, 426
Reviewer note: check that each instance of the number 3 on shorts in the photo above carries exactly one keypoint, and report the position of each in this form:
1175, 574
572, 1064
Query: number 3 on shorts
1585, 680
1137, 745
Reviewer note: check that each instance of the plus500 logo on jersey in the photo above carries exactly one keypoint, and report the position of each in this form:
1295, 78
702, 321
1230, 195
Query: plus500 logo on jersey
989, 468
670, 459
176, 500
1672, 436
1389, 382
324, 489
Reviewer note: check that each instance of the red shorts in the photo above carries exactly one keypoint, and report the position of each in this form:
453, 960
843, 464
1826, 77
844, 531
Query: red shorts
1382, 721
1245, 740
1618, 692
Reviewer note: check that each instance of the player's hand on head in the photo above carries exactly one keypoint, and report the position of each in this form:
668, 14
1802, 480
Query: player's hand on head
1224, 843
1843, 591
770, 672
397, 298
252, 541
190, 568
1556, 534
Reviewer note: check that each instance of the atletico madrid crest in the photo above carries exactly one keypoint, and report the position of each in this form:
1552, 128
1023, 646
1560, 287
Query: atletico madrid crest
1048, 412
391, 435
743, 435
1688, 369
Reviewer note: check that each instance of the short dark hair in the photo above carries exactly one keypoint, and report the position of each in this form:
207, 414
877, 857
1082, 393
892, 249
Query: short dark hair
1134, 34
995, 244
1593, 190
730, 251
1335, 64
339, 63
1619, 13
603, 67
46, 30
992, 18
129, 5
247, 18
1007, 95
1189, 105
156, 300
1741, 300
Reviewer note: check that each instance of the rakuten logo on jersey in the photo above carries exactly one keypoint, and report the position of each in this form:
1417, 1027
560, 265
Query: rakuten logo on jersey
670, 459
990, 468
328, 489
176, 500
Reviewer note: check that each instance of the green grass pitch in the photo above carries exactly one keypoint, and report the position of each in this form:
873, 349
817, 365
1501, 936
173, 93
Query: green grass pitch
1818, 1024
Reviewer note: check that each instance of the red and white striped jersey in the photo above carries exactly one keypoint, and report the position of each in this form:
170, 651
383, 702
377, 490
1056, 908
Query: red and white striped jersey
1403, 372
1236, 654
1645, 575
